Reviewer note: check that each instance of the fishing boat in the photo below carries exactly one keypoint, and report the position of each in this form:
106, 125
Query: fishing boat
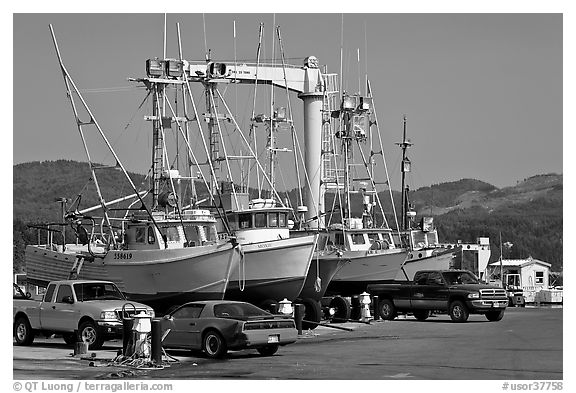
425, 249
160, 253
359, 250
274, 265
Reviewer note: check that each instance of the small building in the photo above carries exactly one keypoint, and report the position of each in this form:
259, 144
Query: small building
530, 275
527, 273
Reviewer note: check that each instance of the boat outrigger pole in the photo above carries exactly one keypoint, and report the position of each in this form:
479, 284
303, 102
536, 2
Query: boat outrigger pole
70, 85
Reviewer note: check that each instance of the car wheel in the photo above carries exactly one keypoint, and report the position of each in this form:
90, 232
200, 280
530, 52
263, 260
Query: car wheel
387, 309
23, 333
458, 311
341, 307
214, 345
268, 350
88, 333
421, 315
494, 316
69, 338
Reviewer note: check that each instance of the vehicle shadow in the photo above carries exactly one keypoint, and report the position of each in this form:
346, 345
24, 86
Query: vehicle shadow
198, 355
438, 320
58, 343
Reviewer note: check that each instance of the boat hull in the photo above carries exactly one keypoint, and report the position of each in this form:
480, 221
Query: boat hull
272, 270
366, 267
159, 278
439, 259
325, 267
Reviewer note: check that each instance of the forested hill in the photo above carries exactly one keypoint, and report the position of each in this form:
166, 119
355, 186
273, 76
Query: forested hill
528, 214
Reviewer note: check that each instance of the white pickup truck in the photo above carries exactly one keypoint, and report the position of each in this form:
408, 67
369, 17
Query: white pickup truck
87, 310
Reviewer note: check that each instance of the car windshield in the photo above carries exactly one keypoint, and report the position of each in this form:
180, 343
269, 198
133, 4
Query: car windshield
453, 278
97, 291
239, 310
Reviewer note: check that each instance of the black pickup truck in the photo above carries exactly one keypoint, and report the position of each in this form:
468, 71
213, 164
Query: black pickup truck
457, 292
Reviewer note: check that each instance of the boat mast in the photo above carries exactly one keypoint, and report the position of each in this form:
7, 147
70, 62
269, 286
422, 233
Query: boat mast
157, 142
405, 167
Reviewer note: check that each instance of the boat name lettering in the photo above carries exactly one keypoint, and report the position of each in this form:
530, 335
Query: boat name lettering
122, 255
265, 245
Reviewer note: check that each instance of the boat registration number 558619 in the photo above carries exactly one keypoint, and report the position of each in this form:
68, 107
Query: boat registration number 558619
122, 255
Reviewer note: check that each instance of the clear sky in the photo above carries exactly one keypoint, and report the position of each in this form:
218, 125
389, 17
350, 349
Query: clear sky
482, 92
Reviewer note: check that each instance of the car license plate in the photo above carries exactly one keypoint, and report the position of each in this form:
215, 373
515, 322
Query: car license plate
273, 339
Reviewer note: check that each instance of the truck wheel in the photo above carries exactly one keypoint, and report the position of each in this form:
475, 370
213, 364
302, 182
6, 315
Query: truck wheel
88, 332
421, 315
494, 316
268, 350
458, 311
341, 308
387, 309
23, 333
214, 345
312, 313
69, 338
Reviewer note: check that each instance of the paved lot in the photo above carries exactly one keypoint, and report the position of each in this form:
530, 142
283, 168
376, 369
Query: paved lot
526, 345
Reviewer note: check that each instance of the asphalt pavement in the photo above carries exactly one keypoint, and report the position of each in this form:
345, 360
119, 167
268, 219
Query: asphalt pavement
526, 345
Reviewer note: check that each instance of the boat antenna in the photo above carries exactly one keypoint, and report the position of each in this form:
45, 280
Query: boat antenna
206, 53
359, 77
341, 53
252, 126
164, 51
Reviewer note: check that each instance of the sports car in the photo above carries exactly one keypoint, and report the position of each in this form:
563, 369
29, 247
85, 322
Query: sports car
217, 326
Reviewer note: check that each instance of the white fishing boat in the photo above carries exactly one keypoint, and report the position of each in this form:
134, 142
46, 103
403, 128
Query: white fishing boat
161, 255
275, 265
365, 248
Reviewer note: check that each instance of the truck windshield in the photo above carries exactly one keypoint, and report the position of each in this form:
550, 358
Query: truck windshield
453, 278
97, 291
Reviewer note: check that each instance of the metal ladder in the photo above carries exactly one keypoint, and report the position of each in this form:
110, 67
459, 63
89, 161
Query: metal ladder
76, 267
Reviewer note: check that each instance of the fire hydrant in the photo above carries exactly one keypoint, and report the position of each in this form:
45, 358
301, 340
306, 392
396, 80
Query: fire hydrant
365, 307
142, 326
285, 307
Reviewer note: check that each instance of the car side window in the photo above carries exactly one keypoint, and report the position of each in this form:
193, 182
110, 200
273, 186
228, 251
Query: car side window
63, 292
435, 278
420, 279
188, 312
49, 293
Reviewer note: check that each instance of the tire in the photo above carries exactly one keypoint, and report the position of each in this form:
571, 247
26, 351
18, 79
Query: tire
495, 316
268, 350
23, 333
269, 305
458, 311
312, 313
421, 315
89, 333
214, 345
70, 338
342, 308
387, 309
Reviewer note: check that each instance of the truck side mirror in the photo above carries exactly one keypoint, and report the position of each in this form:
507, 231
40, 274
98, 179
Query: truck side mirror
68, 299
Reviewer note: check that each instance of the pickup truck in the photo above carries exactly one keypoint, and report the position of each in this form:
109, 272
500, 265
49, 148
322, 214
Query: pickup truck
86, 310
457, 292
